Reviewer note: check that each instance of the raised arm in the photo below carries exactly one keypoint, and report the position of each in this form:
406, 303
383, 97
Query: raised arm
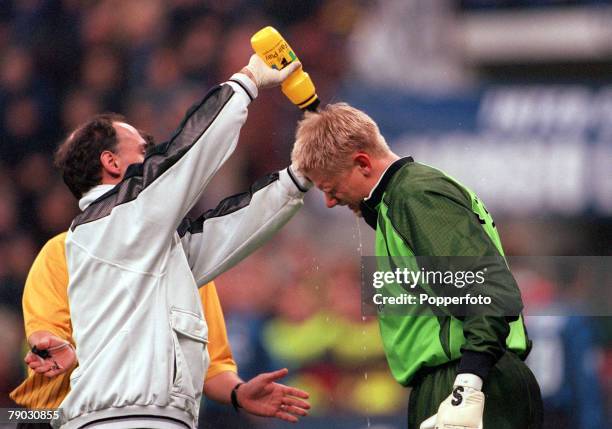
240, 224
154, 196
157, 194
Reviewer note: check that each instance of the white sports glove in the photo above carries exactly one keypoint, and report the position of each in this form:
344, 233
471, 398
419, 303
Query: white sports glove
265, 76
462, 409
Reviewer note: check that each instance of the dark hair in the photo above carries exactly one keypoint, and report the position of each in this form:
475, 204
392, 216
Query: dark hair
78, 157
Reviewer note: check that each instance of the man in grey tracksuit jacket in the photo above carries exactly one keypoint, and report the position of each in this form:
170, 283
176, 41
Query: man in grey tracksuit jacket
134, 263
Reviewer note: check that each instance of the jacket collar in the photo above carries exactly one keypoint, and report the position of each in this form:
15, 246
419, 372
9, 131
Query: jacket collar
369, 204
93, 194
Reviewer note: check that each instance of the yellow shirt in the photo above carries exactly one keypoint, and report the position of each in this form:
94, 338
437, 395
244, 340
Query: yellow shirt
45, 308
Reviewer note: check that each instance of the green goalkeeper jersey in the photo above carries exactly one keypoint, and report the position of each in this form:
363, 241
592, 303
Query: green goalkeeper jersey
419, 211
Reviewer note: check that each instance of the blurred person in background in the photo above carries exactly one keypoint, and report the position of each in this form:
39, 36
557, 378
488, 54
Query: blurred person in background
100, 74
248, 293
26, 102
366, 386
565, 355
16, 251
8, 210
79, 105
300, 334
126, 197
418, 210
10, 340
318, 332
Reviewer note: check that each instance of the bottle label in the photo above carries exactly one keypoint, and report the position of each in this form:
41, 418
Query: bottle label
280, 56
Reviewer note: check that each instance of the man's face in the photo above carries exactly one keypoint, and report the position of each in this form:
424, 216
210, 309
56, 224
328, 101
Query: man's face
131, 146
347, 188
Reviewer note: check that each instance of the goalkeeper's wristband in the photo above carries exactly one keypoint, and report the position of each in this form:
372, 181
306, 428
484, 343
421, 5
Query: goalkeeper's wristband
469, 380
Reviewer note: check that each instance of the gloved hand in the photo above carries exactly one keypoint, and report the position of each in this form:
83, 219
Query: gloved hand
265, 76
462, 409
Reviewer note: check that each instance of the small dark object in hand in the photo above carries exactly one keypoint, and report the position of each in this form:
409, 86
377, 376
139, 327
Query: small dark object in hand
42, 353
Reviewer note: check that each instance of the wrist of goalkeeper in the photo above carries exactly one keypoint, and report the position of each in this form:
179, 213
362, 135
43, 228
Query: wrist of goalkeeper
468, 380
463, 408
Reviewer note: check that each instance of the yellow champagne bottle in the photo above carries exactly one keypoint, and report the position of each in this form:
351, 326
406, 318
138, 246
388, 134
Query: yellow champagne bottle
276, 52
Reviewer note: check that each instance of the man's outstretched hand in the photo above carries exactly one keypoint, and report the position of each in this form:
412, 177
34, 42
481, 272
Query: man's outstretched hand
61, 356
262, 396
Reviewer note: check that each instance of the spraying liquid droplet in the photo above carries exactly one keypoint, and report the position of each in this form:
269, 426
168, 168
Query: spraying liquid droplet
360, 244
363, 318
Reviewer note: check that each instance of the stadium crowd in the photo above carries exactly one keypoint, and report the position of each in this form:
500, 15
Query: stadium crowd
61, 61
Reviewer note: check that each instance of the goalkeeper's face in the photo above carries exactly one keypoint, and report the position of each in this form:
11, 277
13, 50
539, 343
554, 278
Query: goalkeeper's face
346, 188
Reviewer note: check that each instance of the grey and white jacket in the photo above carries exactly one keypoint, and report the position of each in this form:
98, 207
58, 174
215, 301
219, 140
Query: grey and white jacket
134, 263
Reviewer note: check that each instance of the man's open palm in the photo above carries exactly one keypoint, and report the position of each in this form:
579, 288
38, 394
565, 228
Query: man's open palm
262, 396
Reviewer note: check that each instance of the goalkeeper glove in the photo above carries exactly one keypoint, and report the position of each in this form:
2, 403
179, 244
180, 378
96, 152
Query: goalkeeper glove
462, 409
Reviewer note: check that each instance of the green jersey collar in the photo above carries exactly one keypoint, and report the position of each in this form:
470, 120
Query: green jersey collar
368, 205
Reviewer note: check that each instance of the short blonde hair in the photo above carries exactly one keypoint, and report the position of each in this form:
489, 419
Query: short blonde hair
325, 140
